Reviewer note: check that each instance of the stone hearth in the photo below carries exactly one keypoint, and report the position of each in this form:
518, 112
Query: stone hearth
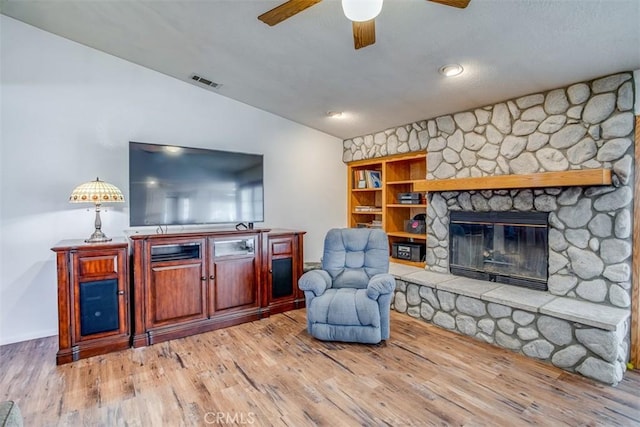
574, 335
583, 126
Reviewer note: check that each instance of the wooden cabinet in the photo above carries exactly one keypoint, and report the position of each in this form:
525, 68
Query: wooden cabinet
382, 206
285, 264
183, 284
195, 282
93, 298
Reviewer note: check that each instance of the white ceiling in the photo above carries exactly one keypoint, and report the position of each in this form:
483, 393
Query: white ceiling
306, 66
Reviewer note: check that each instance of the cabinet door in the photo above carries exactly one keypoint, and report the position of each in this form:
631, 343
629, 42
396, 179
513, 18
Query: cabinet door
100, 297
234, 275
177, 293
234, 284
99, 307
281, 264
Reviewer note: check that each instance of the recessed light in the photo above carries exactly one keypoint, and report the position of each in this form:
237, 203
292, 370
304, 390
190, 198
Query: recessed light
335, 114
451, 70
172, 150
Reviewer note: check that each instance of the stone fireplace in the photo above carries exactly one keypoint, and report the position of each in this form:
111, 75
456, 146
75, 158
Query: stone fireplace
503, 247
581, 321
589, 243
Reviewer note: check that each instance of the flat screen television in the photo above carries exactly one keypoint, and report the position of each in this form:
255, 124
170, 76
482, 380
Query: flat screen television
172, 185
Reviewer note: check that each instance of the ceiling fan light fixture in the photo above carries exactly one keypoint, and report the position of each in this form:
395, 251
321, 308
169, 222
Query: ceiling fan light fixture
361, 10
335, 114
451, 70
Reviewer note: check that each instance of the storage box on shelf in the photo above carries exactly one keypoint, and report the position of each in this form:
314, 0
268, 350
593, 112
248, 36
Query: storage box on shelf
383, 206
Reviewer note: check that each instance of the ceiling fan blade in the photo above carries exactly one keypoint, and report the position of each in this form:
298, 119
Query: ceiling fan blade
286, 10
364, 33
461, 4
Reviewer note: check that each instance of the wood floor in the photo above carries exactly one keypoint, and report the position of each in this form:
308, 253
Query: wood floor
270, 372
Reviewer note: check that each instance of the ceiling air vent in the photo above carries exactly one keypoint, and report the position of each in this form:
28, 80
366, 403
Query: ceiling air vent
206, 82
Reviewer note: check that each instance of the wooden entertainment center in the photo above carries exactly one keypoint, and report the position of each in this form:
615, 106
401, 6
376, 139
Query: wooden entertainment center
180, 284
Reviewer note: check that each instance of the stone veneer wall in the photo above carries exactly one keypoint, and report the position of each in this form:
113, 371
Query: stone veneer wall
584, 126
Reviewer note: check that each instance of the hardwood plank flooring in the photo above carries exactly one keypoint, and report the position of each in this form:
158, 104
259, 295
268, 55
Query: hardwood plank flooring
272, 373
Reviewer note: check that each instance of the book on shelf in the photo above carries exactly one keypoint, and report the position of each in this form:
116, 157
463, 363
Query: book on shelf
373, 179
359, 179
368, 209
364, 178
372, 224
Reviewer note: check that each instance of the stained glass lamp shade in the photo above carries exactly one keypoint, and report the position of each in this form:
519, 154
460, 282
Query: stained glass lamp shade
96, 192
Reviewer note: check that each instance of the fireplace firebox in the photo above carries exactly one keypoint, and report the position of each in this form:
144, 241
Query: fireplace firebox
505, 247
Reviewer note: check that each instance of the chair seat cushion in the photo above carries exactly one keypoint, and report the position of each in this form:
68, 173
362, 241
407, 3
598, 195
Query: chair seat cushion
10, 414
344, 307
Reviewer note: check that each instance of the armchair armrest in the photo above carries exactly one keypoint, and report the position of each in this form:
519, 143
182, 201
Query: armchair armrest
316, 281
380, 284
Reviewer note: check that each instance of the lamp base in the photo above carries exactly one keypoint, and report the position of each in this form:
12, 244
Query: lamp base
97, 237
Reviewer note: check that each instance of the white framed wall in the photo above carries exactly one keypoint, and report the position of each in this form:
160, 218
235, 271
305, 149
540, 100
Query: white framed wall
67, 115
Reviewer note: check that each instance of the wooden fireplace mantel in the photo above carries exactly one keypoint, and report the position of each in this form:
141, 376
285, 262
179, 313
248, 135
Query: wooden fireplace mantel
570, 178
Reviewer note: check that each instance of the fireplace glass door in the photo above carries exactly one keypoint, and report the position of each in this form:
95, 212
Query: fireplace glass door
506, 247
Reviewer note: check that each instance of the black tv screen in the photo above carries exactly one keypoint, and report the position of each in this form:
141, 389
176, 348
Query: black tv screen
172, 185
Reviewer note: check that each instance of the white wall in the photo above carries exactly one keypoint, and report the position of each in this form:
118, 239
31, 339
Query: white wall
67, 114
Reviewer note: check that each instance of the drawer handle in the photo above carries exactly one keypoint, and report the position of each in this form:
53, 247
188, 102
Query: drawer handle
120, 292
212, 277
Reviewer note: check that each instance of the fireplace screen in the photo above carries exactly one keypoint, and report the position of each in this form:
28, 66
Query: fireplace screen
506, 247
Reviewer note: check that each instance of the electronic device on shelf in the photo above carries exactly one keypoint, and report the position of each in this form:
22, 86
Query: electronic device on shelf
408, 251
417, 225
410, 198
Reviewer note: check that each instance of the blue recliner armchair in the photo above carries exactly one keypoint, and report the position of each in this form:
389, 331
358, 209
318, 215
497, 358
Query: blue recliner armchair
349, 298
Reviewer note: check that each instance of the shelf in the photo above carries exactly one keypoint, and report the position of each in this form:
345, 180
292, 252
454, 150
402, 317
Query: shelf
570, 178
403, 182
405, 262
407, 205
367, 213
364, 190
406, 235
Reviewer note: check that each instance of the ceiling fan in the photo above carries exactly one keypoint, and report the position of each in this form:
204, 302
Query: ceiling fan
362, 14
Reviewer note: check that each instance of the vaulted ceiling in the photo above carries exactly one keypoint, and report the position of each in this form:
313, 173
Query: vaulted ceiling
307, 65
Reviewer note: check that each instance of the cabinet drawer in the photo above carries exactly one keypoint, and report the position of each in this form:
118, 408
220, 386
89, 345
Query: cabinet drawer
282, 247
90, 266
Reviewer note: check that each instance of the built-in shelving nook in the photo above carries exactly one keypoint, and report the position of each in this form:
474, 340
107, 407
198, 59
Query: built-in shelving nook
376, 203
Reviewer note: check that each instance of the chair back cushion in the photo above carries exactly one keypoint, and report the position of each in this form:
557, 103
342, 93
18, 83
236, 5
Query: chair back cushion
353, 255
